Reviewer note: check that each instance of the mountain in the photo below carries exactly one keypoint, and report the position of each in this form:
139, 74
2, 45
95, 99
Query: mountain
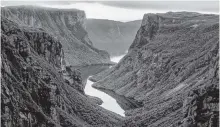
113, 36
67, 25
38, 89
169, 77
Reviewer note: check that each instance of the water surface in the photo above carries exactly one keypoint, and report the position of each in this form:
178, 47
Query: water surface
116, 59
109, 103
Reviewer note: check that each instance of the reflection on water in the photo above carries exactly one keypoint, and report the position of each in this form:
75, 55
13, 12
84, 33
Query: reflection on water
108, 102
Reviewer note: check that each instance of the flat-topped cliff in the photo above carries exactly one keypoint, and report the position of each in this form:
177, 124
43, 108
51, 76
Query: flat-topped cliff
67, 25
169, 76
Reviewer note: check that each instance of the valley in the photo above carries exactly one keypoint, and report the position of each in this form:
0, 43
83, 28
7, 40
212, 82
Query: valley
60, 69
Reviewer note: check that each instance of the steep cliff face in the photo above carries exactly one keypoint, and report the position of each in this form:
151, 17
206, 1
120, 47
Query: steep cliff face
37, 88
67, 25
112, 36
170, 75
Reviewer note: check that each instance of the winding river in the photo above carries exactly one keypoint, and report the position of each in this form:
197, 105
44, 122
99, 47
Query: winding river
109, 103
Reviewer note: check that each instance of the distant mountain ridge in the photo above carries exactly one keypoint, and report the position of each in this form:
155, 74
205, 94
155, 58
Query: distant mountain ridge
113, 36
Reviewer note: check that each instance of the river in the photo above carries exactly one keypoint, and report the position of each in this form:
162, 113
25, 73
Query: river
109, 103
116, 59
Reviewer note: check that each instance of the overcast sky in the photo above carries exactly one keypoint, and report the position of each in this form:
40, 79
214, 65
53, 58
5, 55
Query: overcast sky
124, 10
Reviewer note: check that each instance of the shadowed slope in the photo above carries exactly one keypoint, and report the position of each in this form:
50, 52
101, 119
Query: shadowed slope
33, 90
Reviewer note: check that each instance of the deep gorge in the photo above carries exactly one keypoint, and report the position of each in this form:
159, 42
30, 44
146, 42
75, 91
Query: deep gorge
168, 78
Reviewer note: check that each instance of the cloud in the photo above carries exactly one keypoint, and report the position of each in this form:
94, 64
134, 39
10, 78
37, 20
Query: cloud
200, 6
196, 5
99, 11
124, 10
32, 2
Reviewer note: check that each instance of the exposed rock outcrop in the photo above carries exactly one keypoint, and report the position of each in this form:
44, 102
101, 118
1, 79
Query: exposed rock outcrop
34, 92
170, 72
66, 25
201, 107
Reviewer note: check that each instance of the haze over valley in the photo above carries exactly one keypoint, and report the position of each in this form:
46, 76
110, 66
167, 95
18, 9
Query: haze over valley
112, 36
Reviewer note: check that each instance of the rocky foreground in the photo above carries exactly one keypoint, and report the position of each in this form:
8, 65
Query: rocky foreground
34, 93
169, 77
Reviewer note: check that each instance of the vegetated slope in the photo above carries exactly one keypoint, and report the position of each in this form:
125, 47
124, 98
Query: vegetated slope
38, 89
112, 36
67, 25
170, 75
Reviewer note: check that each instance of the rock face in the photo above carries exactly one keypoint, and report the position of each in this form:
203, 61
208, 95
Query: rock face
67, 25
38, 89
169, 77
201, 108
112, 36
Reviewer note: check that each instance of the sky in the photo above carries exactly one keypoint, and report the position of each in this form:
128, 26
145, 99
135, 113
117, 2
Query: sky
123, 10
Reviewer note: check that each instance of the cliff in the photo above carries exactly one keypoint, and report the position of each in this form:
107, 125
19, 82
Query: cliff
112, 36
67, 25
38, 89
169, 76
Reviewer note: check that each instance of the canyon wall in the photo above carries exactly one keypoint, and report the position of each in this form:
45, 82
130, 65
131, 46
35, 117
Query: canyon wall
38, 89
67, 25
169, 76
